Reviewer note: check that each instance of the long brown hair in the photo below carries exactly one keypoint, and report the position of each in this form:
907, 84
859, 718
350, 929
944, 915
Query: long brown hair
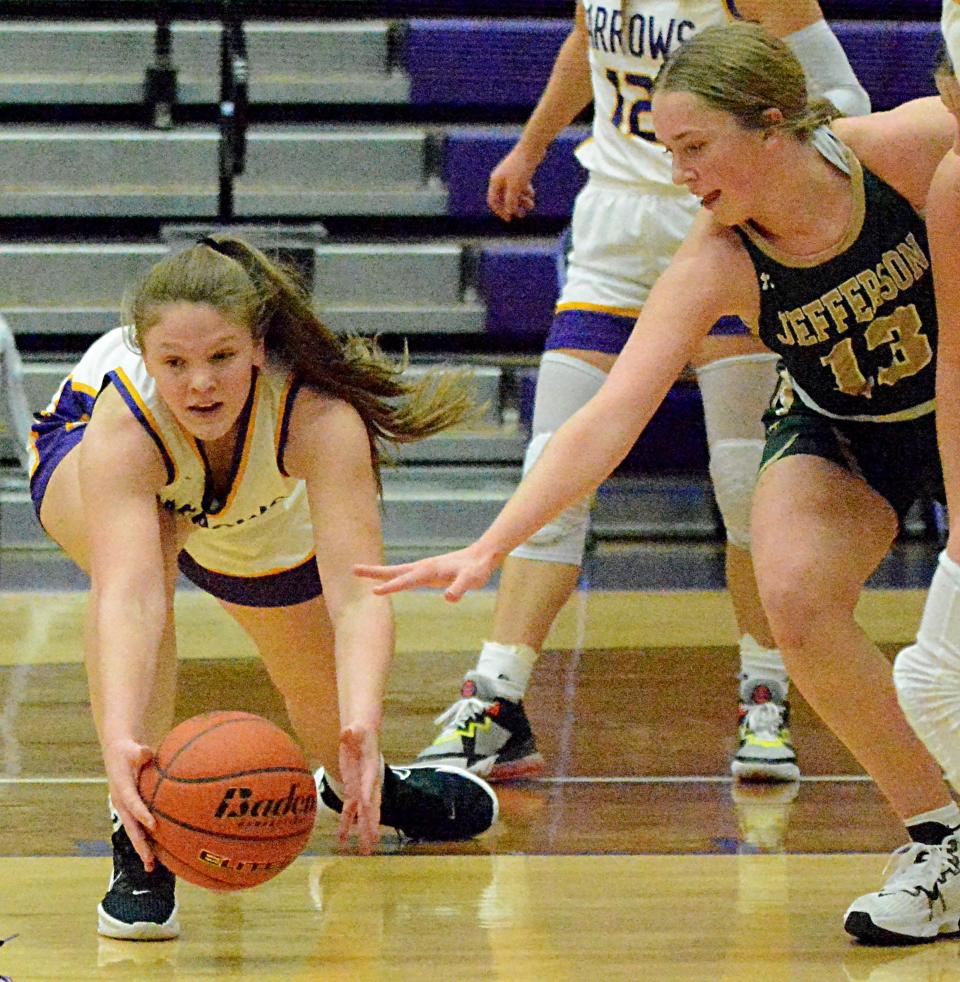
247, 287
741, 69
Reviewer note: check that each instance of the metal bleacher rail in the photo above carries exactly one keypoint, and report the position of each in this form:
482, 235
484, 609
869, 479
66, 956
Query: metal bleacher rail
356, 137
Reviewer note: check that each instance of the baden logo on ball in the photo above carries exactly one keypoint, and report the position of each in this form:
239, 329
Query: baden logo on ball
233, 797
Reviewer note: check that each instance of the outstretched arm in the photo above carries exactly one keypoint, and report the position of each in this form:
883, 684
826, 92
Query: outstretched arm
328, 447
120, 473
568, 91
706, 279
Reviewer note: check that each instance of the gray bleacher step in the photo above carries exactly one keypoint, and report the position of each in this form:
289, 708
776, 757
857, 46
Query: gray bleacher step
103, 62
449, 506
111, 171
410, 288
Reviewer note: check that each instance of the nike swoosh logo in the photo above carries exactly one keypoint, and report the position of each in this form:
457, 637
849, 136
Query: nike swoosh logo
139, 893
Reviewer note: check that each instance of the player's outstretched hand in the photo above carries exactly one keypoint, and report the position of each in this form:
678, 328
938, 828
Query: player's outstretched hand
510, 191
123, 760
360, 773
454, 572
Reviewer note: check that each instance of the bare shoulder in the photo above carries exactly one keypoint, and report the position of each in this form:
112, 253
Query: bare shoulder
323, 427
902, 146
713, 259
116, 444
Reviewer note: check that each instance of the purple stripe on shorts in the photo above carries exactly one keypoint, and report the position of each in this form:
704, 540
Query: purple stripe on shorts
284, 589
594, 330
589, 330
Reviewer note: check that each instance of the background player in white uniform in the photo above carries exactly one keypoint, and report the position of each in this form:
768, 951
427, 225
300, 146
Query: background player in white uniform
245, 434
627, 223
927, 674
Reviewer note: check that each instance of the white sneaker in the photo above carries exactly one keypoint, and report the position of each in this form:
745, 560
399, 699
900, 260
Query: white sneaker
919, 902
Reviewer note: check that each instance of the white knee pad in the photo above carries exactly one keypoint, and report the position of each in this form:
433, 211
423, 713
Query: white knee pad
736, 391
733, 469
564, 384
927, 674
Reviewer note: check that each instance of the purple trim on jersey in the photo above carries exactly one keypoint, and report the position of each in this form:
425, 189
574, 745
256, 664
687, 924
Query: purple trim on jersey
52, 441
133, 404
732, 8
54, 434
283, 589
295, 387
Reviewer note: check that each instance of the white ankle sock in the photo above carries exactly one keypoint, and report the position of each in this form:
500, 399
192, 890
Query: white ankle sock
757, 662
510, 663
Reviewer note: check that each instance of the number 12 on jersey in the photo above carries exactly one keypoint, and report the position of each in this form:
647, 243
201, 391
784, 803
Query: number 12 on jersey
631, 112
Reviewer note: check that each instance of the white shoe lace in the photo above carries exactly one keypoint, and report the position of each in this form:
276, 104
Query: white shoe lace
919, 865
764, 720
460, 712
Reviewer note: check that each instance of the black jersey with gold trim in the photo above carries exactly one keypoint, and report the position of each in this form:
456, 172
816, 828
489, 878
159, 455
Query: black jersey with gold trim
856, 328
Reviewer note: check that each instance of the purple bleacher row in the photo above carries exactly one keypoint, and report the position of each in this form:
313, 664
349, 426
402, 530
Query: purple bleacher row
897, 9
506, 63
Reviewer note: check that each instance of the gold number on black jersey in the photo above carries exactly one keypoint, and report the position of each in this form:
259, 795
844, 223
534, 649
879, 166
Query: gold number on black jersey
636, 107
910, 352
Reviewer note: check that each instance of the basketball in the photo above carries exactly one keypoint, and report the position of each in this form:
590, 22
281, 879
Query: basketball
233, 797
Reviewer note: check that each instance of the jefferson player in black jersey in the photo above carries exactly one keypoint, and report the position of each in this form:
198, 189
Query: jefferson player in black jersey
817, 245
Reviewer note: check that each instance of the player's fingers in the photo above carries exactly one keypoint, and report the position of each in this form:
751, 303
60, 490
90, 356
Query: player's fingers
137, 838
467, 579
367, 572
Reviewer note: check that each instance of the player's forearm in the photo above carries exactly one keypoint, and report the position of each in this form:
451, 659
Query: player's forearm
364, 653
566, 95
127, 633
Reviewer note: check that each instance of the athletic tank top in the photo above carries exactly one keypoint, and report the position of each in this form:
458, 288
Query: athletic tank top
629, 40
856, 331
262, 523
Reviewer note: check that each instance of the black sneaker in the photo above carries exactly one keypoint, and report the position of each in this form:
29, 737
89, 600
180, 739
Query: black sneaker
441, 804
485, 734
138, 906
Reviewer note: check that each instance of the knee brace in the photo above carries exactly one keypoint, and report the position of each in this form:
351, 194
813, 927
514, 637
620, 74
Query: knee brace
733, 470
927, 674
736, 391
564, 384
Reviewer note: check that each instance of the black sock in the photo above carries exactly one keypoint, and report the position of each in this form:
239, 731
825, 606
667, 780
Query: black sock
930, 833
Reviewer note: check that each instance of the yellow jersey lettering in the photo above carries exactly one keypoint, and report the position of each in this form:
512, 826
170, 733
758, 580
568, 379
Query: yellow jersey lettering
787, 336
913, 254
833, 303
819, 323
851, 293
870, 282
800, 330
898, 269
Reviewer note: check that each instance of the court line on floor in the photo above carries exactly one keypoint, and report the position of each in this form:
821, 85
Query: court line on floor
668, 779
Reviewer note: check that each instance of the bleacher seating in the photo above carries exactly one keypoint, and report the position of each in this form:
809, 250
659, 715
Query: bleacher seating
382, 120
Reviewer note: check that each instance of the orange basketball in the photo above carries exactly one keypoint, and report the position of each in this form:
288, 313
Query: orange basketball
233, 797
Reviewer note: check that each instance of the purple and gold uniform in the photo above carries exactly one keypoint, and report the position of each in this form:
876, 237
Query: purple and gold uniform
255, 545
630, 218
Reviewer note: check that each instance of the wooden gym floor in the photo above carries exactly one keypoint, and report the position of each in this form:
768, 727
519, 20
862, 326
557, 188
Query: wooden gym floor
635, 857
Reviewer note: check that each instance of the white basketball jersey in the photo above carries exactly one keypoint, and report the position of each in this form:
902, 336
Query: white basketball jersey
950, 25
263, 523
629, 40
